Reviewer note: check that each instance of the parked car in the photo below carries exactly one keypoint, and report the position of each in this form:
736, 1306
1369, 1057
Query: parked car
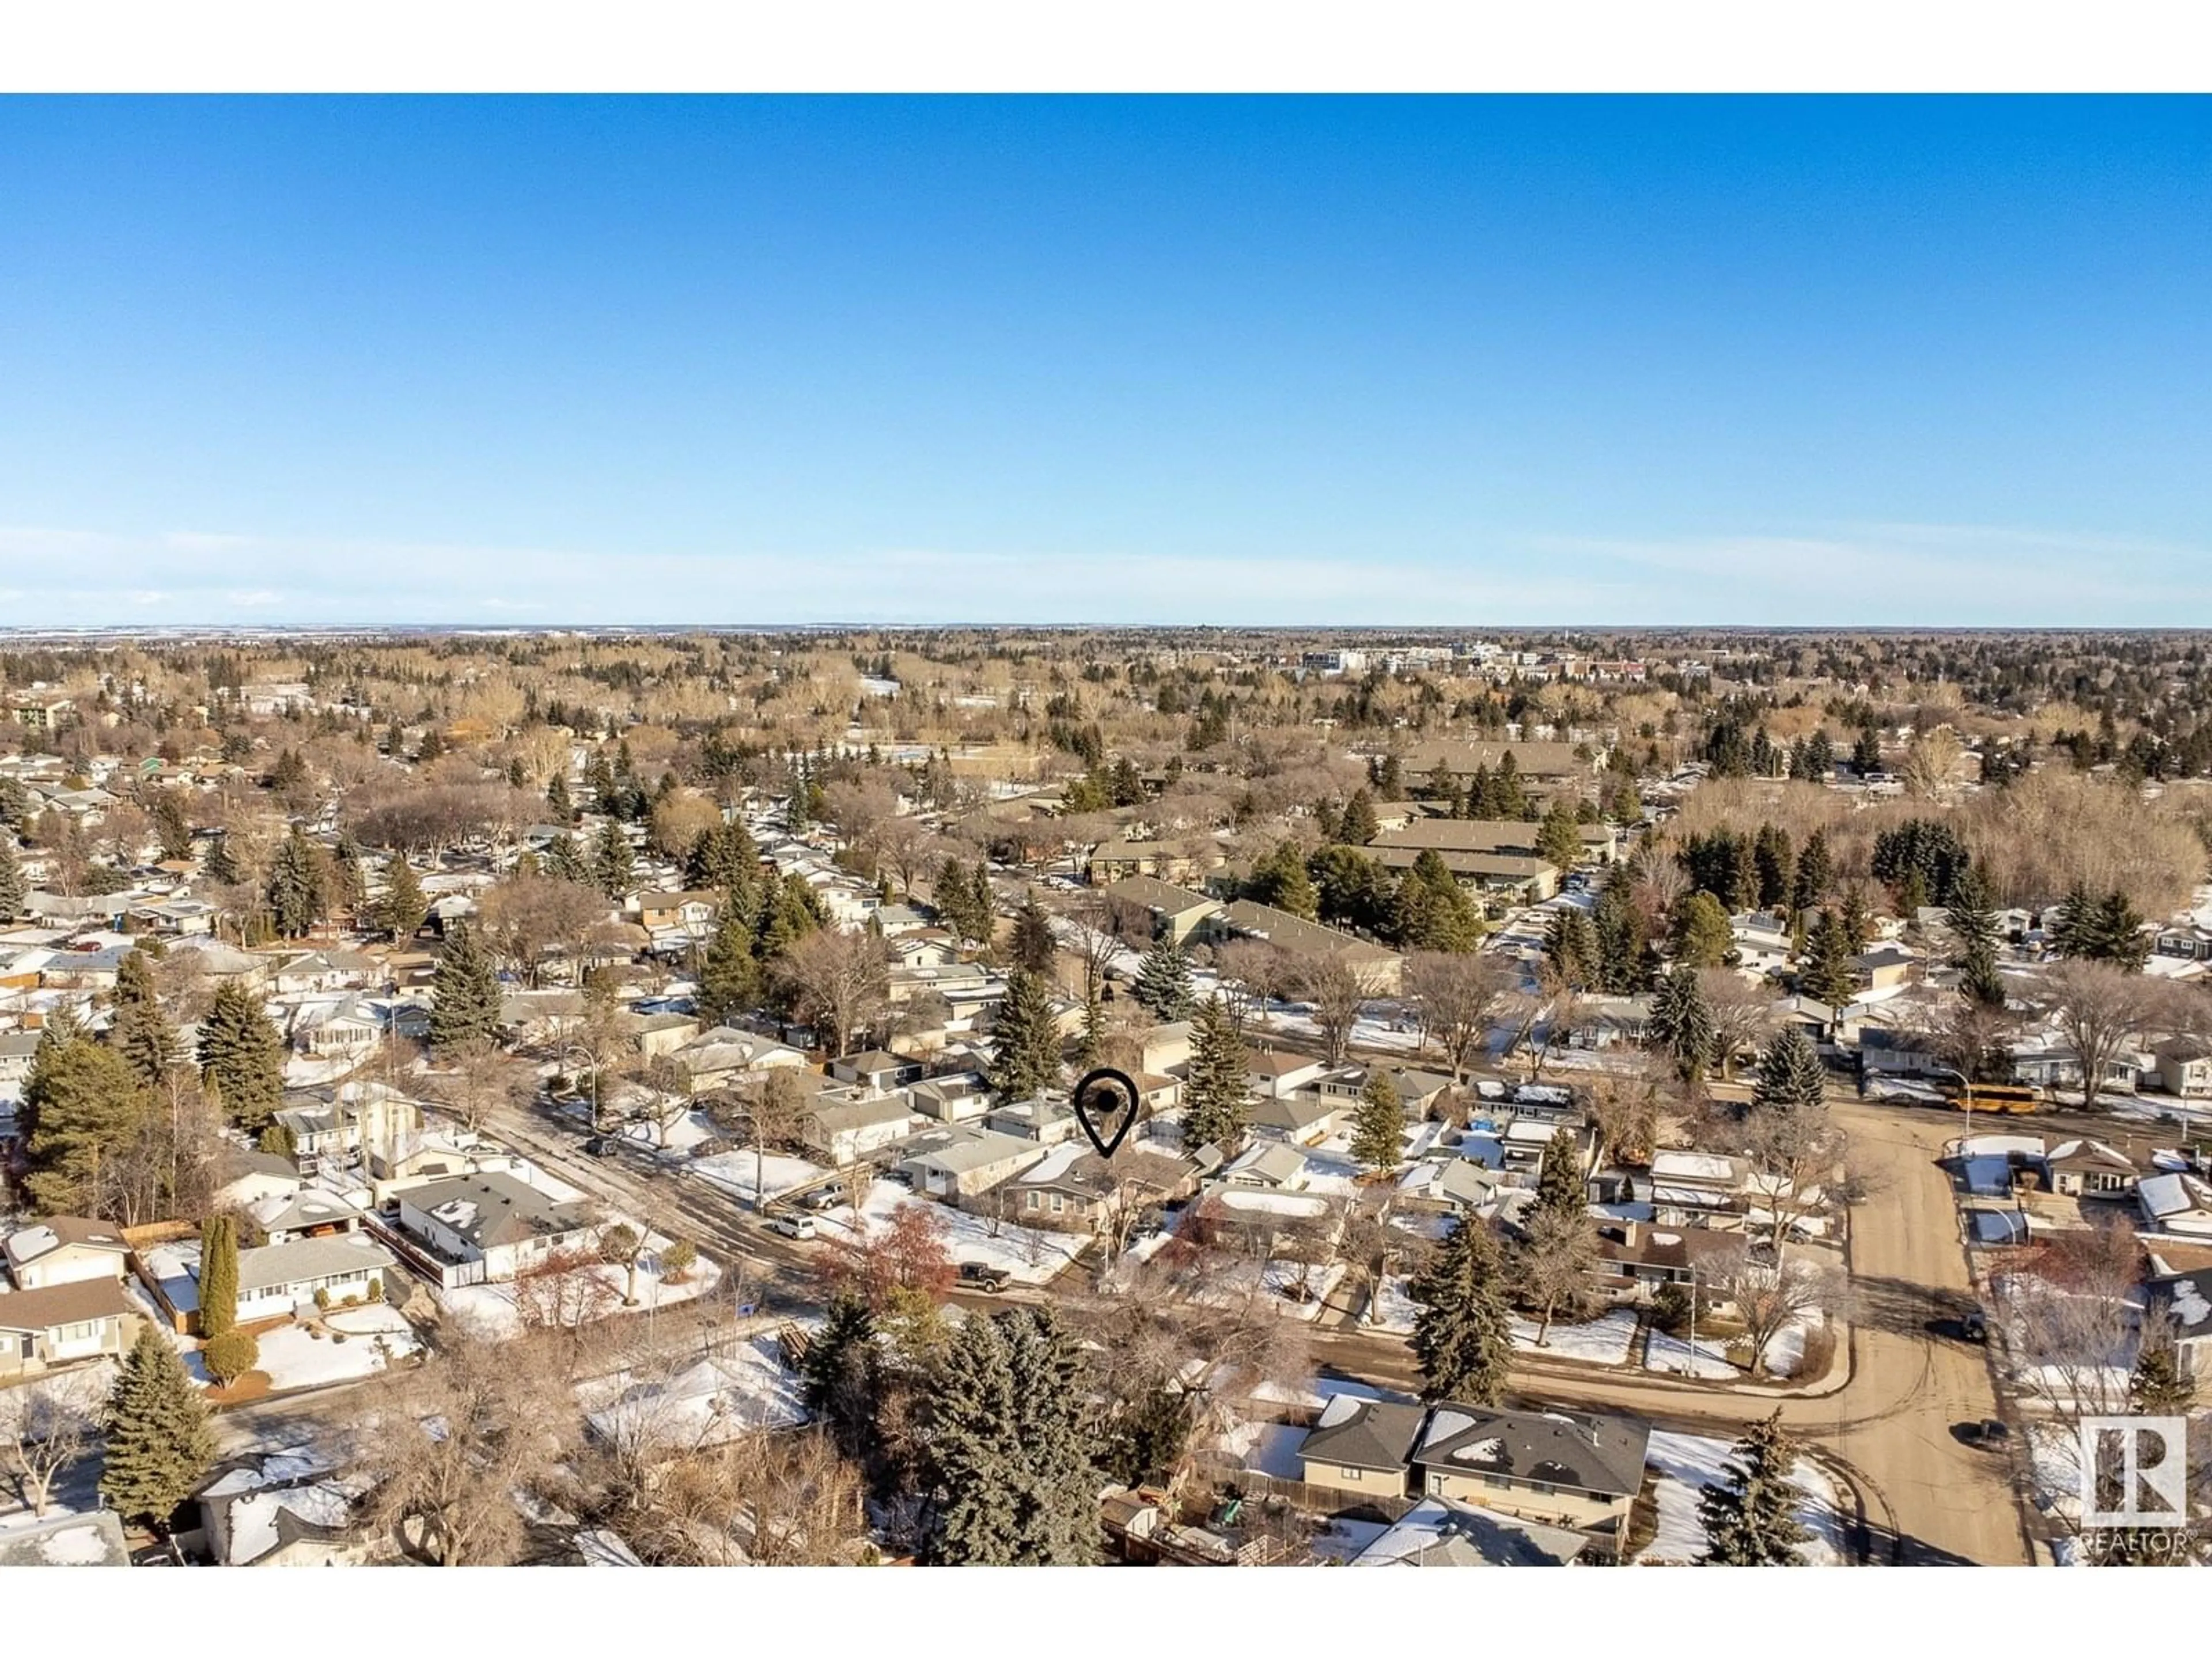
823, 1198
793, 1226
1974, 1326
603, 1146
1989, 1431
976, 1276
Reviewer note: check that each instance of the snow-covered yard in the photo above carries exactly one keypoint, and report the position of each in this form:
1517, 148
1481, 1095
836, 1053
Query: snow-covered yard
735, 1173
1605, 1340
295, 1358
1028, 1255
715, 1398
1685, 1464
492, 1311
1673, 1353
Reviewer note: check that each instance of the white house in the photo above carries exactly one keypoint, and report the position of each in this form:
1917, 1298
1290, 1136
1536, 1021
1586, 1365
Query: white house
276, 1280
64, 1249
491, 1221
2176, 1202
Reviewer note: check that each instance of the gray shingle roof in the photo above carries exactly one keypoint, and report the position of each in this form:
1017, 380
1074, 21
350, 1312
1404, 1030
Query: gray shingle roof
1589, 1453
1371, 1434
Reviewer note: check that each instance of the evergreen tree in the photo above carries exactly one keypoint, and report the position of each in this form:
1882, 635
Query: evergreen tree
840, 1370
1776, 868
1281, 879
1790, 1073
729, 976
1432, 910
1617, 927
790, 912
140, 1031
1682, 1023
218, 1275
1571, 947
12, 889
1826, 972
565, 858
465, 994
1702, 937
1815, 873
346, 886
614, 868
401, 909
558, 807
171, 828
1359, 826
1164, 981
1972, 921
1559, 839
82, 1105
1463, 1333
2156, 1388
1009, 1444
1866, 752
1025, 1057
241, 1056
1220, 1084
296, 886
1751, 1520
1378, 1125
222, 863
1560, 1188
159, 1444
1033, 945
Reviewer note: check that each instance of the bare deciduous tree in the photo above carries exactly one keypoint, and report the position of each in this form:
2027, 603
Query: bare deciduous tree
840, 983
1769, 1295
1743, 1014
44, 1427
1458, 996
2097, 1009
1336, 992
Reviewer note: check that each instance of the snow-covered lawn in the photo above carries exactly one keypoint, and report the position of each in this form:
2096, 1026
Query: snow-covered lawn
671, 1137
1605, 1340
710, 1400
374, 1336
1685, 1464
1239, 1281
490, 1310
1672, 1353
1028, 1255
734, 1173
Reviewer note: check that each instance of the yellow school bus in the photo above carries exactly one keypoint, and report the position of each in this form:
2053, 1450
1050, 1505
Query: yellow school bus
2011, 1098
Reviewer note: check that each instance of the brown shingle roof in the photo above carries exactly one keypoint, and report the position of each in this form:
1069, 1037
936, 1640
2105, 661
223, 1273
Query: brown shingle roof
62, 1304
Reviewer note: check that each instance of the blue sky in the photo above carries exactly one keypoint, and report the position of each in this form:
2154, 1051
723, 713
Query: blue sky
1252, 360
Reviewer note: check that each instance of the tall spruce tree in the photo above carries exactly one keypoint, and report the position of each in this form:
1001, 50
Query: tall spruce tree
296, 884
1682, 1022
1972, 921
1025, 1058
1219, 1082
1826, 970
729, 973
1463, 1333
1560, 1188
614, 866
1164, 981
241, 1057
218, 1275
82, 1105
1033, 947
140, 1031
558, 807
1751, 1518
12, 892
1790, 1073
222, 863
1008, 1443
464, 996
1378, 1124
401, 908
159, 1443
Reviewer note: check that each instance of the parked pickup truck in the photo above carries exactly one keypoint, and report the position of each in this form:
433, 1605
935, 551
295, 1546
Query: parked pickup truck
976, 1276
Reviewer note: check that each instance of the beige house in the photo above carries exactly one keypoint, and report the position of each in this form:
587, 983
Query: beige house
1567, 1468
64, 1322
1361, 1446
1176, 912
64, 1249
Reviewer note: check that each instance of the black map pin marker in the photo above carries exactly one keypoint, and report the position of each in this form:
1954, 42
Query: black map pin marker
1106, 1106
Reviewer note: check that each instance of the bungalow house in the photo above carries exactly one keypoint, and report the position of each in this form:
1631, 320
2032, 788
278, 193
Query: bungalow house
2088, 1169
275, 1281
969, 1161
1522, 876
1275, 1075
1635, 1258
2184, 939
345, 1031
283, 1509
1304, 1119
1073, 1189
875, 1070
323, 971
1883, 968
493, 1222
1164, 1047
1438, 1533
16, 1050
716, 1059
656, 1034
221, 963
1177, 912
2184, 1067
1275, 1166
1417, 1091
689, 914
1565, 1468
1610, 1021
2184, 1302
844, 1130
82, 1319
1184, 859
64, 1249
1361, 1446
2176, 1202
